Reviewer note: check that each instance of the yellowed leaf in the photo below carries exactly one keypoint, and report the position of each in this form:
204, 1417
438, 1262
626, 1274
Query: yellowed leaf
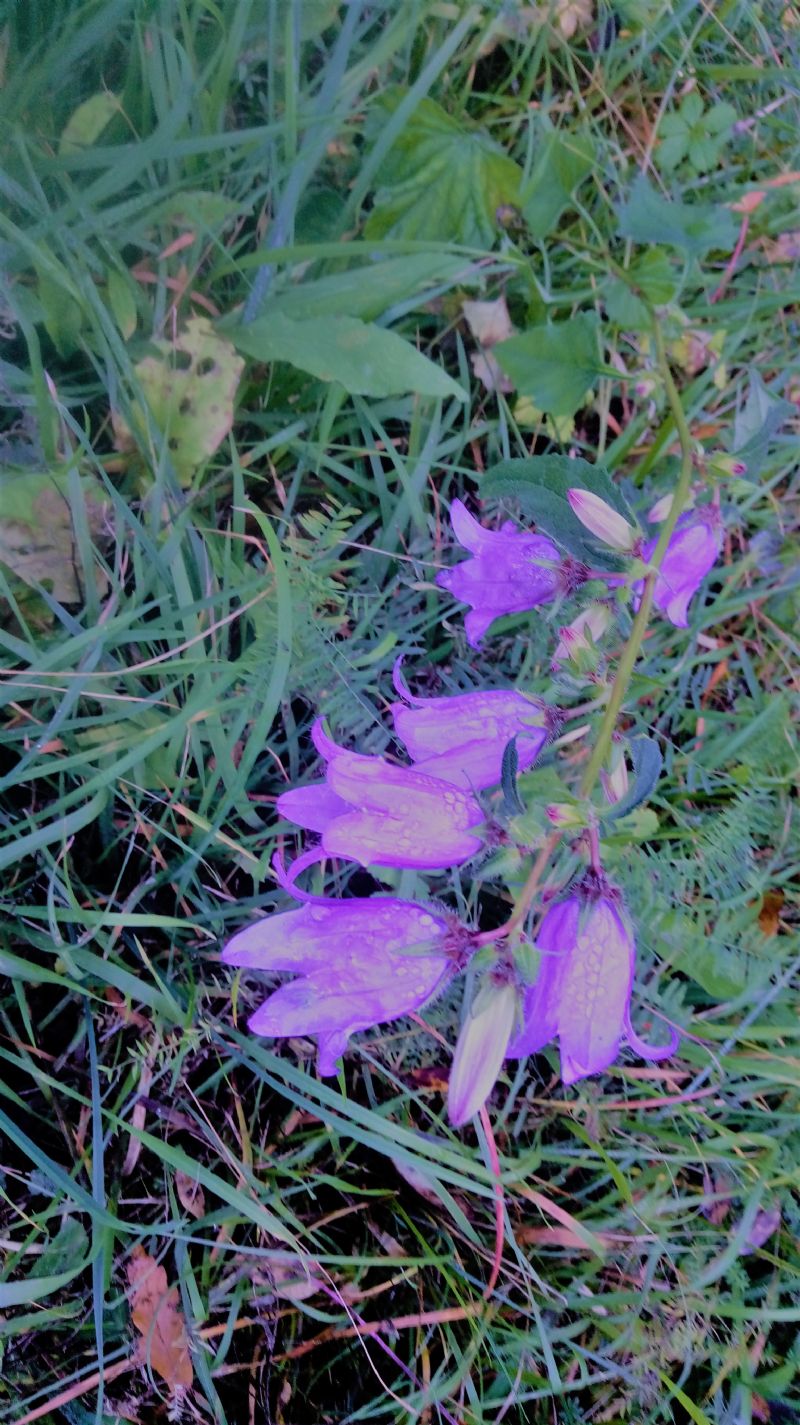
190, 388
155, 1312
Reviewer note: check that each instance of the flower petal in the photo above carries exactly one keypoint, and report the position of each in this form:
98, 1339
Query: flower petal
312, 807
375, 839
557, 934
595, 992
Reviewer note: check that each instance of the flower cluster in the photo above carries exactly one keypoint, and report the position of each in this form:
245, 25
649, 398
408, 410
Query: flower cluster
361, 962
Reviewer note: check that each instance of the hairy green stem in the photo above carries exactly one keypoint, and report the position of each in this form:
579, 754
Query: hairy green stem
627, 662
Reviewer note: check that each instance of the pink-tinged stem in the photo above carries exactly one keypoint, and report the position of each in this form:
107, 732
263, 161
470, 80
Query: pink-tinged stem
499, 1204
734, 258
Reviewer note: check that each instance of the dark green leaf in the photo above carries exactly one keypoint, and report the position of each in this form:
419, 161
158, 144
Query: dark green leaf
648, 216
647, 762
512, 802
556, 365
441, 181
758, 422
539, 484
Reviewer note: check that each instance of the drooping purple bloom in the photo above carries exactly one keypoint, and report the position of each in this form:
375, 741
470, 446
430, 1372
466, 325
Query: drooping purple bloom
582, 994
692, 551
510, 571
359, 963
379, 814
461, 739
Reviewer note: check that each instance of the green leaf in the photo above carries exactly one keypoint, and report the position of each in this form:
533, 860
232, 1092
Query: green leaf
369, 290
556, 365
367, 360
647, 763
649, 217
539, 484
87, 122
565, 160
756, 425
122, 301
654, 277
62, 1251
441, 180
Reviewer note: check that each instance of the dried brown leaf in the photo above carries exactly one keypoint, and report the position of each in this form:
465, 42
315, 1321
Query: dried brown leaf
159, 1320
190, 1194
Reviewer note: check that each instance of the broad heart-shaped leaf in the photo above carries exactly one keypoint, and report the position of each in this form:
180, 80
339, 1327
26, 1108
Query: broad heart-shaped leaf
190, 388
37, 536
647, 762
441, 180
556, 364
539, 484
366, 360
564, 161
648, 216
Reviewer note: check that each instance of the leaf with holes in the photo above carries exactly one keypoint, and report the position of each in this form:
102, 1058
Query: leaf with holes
164, 1343
190, 389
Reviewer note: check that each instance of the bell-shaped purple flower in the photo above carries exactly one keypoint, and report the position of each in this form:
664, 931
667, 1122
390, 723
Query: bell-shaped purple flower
582, 994
379, 814
359, 963
510, 571
692, 551
461, 739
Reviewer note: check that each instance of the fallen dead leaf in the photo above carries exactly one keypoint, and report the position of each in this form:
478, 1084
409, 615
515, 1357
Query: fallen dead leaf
155, 1313
769, 916
190, 1194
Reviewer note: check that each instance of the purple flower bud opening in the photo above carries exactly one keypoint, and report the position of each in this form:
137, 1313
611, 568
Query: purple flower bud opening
461, 739
358, 963
692, 551
510, 571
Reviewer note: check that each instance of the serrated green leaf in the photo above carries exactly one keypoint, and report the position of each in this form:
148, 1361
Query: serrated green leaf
367, 360
648, 216
564, 161
441, 181
556, 365
539, 484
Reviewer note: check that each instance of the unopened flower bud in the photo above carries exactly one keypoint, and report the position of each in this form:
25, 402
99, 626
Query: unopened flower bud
564, 815
482, 1044
645, 387
579, 636
724, 465
615, 781
599, 518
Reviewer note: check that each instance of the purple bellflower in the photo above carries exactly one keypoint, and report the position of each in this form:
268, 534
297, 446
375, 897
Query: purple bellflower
461, 739
358, 963
583, 991
510, 571
379, 814
692, 551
